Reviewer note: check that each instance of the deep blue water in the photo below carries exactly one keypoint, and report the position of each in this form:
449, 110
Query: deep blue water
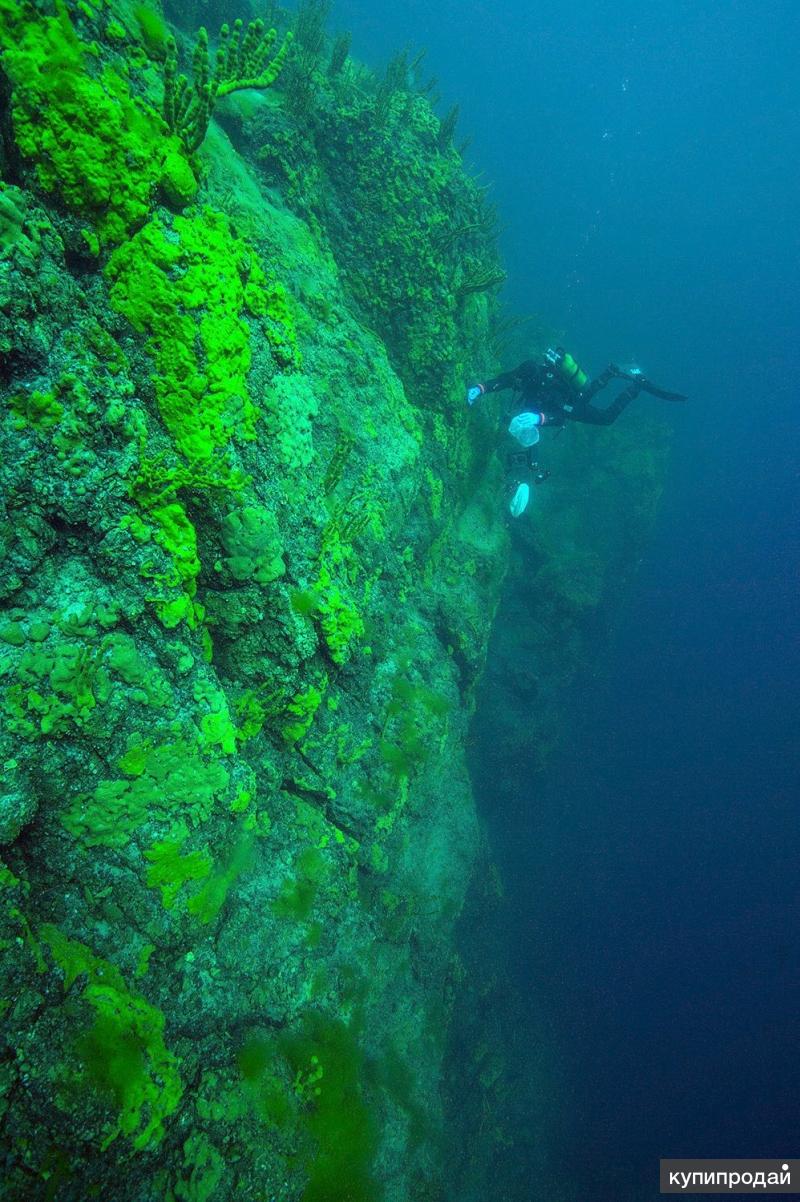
645, 159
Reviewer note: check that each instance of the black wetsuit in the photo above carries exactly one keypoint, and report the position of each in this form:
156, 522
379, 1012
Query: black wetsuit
545, 391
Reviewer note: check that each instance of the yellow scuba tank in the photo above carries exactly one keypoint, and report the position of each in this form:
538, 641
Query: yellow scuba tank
567, 368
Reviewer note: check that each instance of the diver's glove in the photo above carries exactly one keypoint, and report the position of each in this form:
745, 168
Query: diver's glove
474, 392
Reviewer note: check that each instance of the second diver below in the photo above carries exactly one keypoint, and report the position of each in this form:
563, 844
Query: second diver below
552, 391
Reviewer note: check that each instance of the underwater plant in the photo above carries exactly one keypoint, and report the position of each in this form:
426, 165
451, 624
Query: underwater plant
241, 62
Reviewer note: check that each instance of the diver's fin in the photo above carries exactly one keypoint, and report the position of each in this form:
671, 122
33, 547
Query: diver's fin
646, 386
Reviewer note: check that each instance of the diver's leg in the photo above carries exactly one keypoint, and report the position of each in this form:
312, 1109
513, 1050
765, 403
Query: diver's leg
602, 381
604, 417
516, 463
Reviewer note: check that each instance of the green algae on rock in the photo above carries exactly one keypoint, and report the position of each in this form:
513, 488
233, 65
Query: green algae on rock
101, 150
251, 548
217, 532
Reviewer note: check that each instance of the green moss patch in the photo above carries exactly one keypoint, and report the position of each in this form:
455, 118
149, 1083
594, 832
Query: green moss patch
121, 1056
101, 150
182, 286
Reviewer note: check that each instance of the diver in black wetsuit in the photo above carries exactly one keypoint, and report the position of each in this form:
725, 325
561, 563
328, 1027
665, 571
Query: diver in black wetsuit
554, 391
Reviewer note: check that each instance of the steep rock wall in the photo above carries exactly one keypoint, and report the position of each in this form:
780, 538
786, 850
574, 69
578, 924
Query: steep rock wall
251, 550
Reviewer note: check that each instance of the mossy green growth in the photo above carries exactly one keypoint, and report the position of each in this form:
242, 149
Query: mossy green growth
301, 710
164, 520
409, 696
415, 233
178, 184
64, 415
259, 1061
143, 959
152, 28
39, 410
204, 1170
297, 896
415, 715
55, 689
304, 602
13, 633
12, 217
404, 756
339, 618
122, 1056
170, 868
328, 1067
291, 405
252, 540
251, 714
268, 299
146, 680
101, 150
436, 486
207, 903
176, 535
217, 728
181, 285
167, 784
296, 900
335, 609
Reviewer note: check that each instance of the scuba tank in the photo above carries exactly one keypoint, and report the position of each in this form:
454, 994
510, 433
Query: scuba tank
567, 368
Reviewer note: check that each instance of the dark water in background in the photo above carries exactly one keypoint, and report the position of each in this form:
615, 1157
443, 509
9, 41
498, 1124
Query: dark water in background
646, 163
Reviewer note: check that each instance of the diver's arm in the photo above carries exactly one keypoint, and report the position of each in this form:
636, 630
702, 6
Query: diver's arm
517, 378
509, 379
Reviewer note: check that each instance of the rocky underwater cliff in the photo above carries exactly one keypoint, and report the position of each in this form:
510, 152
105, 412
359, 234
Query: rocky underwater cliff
253, 543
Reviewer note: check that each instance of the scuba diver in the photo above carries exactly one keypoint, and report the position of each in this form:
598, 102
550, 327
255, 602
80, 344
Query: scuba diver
551, 392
